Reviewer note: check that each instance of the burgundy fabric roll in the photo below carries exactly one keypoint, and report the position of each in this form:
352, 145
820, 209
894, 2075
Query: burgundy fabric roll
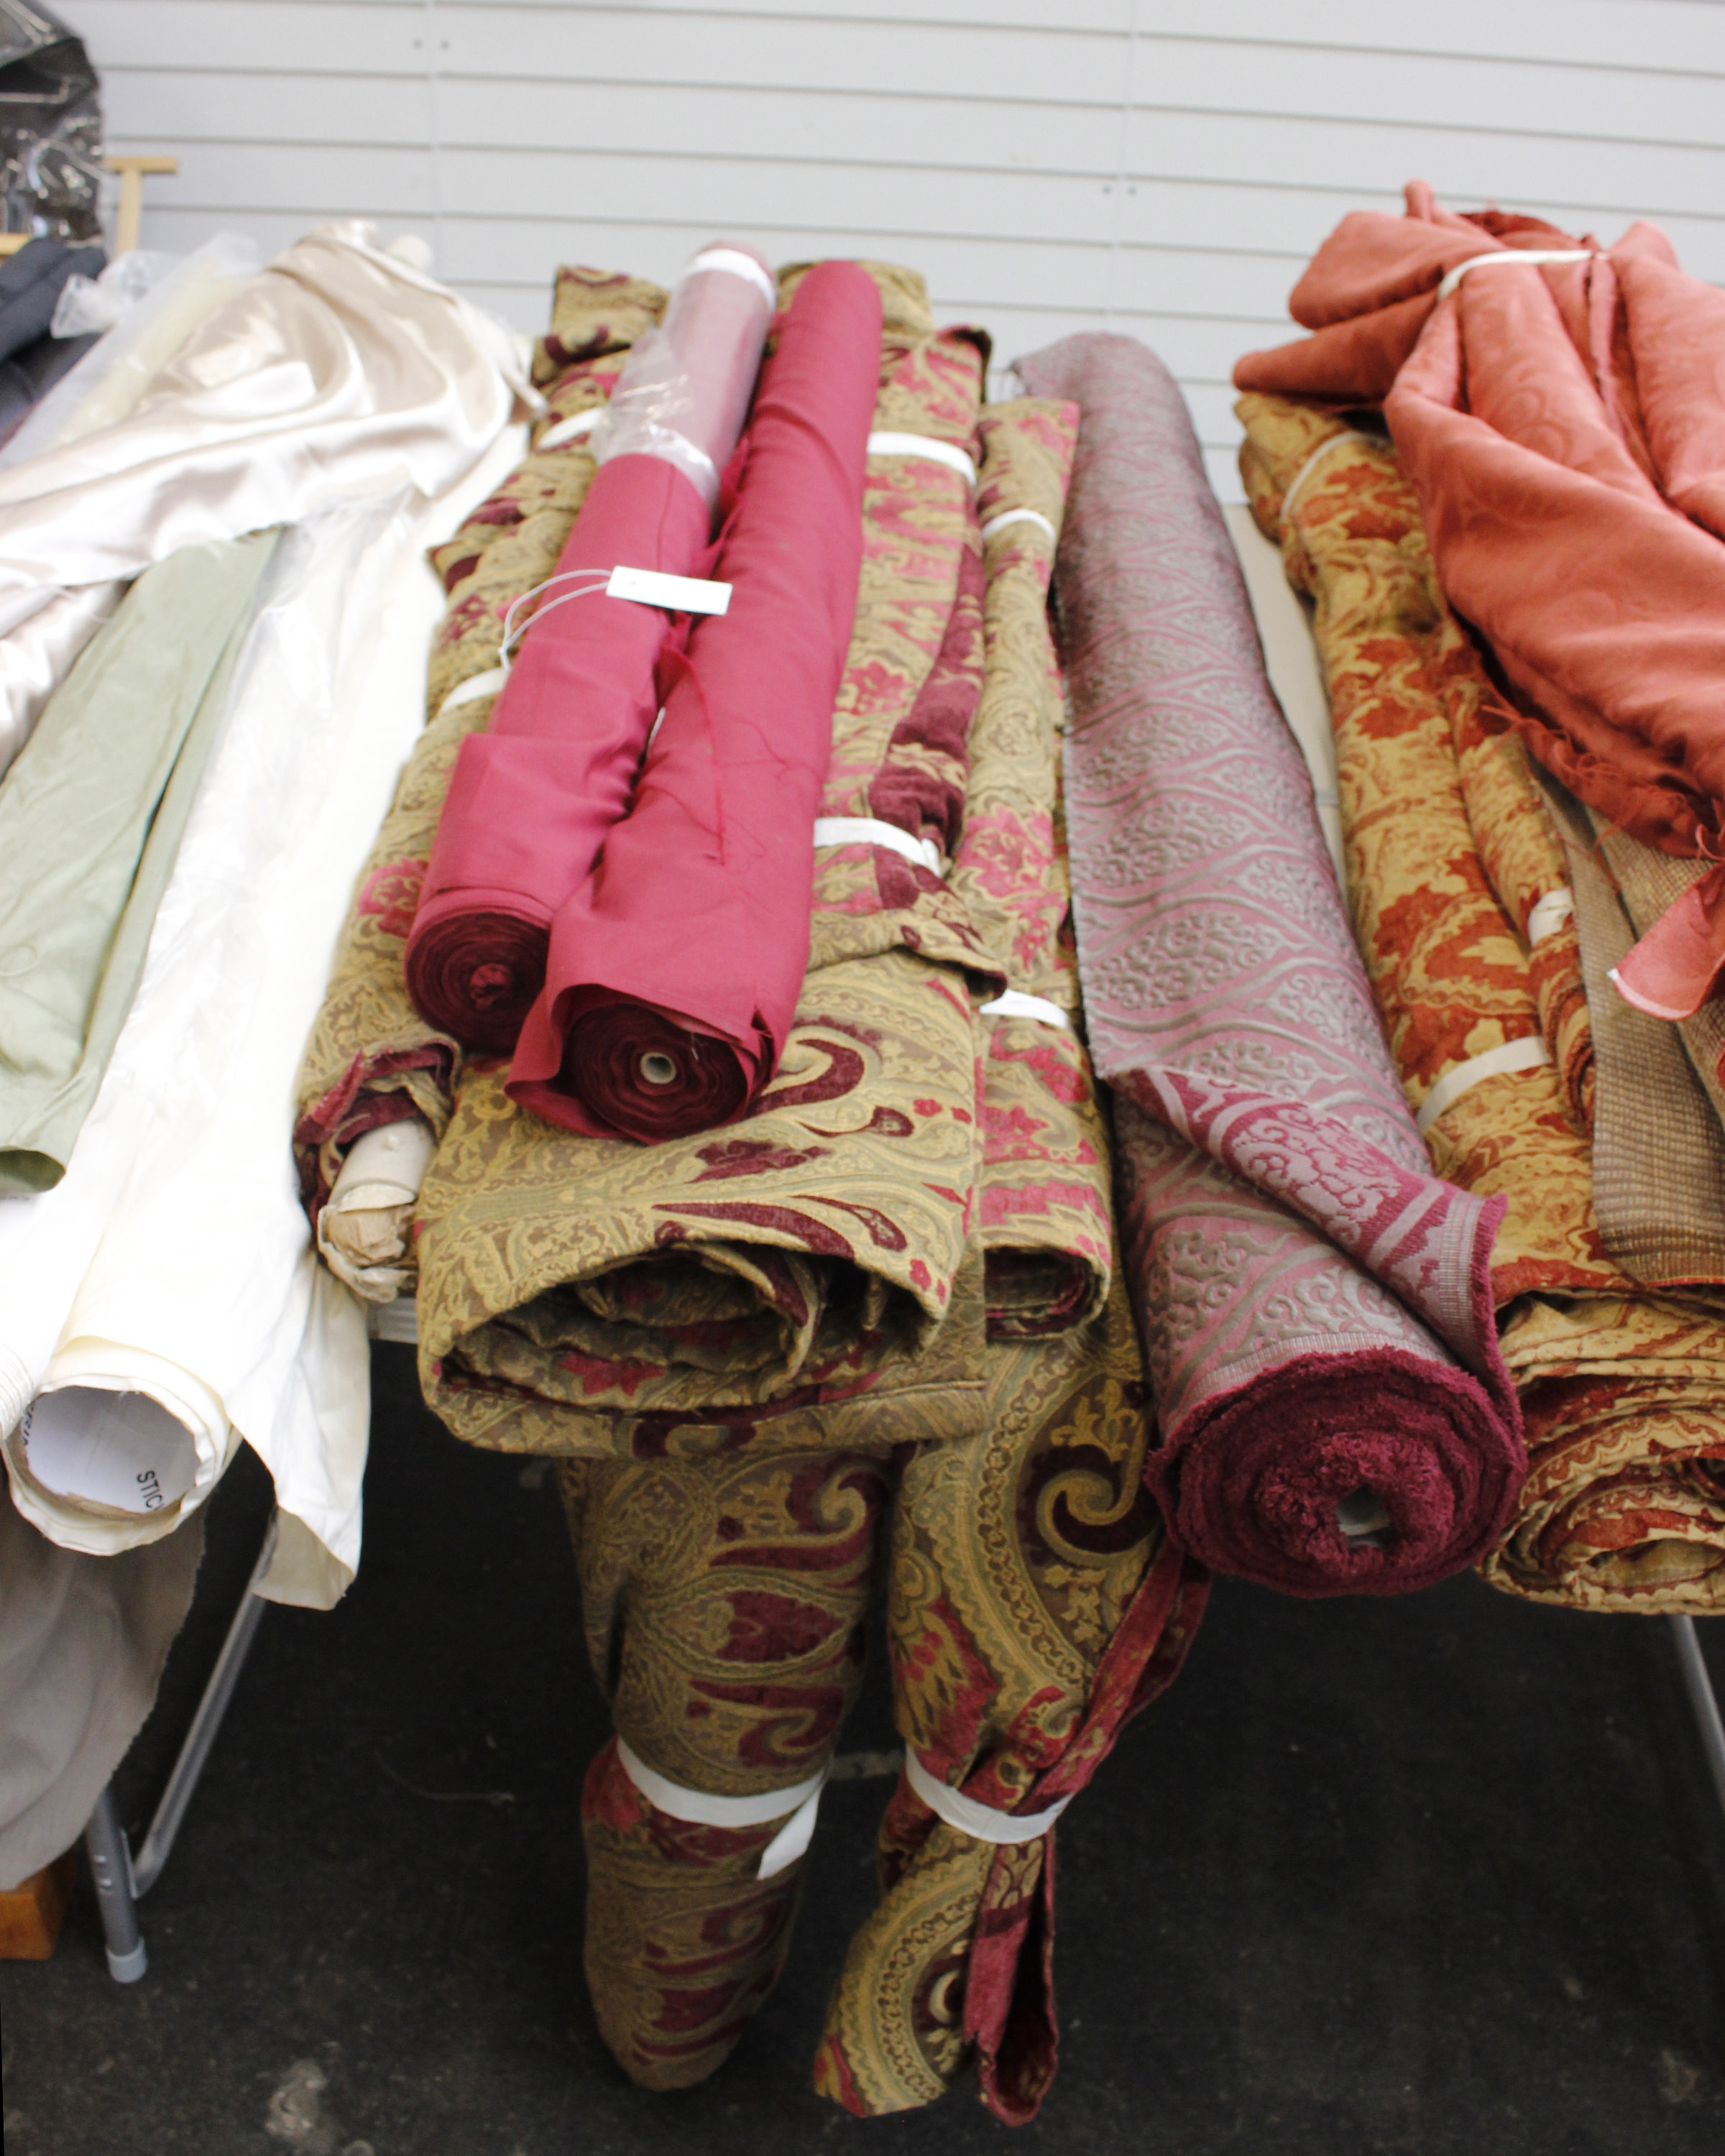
674, 970
1334, 1415
532, 798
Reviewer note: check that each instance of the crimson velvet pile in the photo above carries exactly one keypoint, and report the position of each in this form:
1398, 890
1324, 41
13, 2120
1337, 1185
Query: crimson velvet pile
1316, 1305
532, 798
675, 969
1563, 423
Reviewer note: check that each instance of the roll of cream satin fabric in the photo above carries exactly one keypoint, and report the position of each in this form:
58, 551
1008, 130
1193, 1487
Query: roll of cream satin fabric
340, 372
164, 1299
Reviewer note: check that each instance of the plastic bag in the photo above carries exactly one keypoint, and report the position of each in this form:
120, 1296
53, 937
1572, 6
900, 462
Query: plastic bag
50, 126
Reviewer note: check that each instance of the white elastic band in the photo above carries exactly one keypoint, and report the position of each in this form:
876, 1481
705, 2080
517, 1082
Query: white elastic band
470, 690
864, 831
1534, 254
1528, 1053
923, 445
1013, 1002
802, 1801
981, 1822
571, 429
1018, 517
740, 265
1549, 913
1323, 449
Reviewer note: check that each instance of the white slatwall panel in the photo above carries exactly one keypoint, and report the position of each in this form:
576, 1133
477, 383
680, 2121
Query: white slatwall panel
1050, 165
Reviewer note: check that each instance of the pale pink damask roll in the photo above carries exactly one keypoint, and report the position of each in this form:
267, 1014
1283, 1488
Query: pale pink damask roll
1334, 1415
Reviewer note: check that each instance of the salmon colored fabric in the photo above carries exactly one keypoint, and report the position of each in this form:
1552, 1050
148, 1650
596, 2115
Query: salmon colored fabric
1564, 427
674, 970
1624, 1504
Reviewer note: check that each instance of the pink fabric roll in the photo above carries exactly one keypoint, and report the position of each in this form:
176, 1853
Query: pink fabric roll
531, 799
674, 970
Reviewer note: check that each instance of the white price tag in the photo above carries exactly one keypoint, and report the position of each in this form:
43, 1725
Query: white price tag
681, 594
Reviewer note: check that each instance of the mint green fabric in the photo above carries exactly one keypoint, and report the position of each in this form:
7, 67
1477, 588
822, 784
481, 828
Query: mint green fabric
92, 815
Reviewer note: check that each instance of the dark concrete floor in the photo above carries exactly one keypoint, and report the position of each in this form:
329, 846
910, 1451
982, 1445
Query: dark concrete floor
1429, 1876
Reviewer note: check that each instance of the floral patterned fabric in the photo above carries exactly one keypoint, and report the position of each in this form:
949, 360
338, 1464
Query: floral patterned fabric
1035, 1603
1624, 1507
725, 1605
1333, 1414
799, 1273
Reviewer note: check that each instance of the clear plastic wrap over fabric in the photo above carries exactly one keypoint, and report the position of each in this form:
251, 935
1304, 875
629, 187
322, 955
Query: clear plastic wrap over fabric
686, 387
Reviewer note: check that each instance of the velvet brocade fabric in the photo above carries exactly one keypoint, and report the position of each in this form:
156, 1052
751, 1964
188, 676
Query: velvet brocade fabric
1035, 1603
1624, 1504
1334, 1416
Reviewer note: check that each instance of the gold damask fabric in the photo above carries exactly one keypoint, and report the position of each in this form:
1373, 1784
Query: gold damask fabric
818, 1271
1046, 1199
725, 1603
1035, 1602
1623, 1507
372, 1058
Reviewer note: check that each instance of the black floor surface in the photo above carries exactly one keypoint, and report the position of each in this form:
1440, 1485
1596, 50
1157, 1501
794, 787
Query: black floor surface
1437, 1875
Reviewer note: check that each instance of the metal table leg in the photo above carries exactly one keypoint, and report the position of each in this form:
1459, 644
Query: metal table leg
120, 1880
1702, 1697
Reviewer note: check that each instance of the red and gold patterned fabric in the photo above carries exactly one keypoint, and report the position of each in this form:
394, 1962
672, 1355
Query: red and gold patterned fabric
1035, 1603
1623, 1395
725, 1606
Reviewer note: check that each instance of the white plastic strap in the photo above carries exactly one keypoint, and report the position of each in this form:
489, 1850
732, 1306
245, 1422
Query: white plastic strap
923, 445
740, 265
475, 686
1550, 913
1534, 254
1018, 517
1013, 1002
1323, 449
1528, 1053
802, 1802
864, 831
981, 1822
571, 429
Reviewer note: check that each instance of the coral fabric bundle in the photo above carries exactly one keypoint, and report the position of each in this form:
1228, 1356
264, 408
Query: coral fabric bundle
1563, 428
1335, 1417
1624, 1504
532, 799
674, 970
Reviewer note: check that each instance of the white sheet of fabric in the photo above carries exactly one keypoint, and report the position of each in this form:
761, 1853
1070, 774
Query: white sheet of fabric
104, 387
166, 1290
365, 1225
82, 1643
107, 382
339, 373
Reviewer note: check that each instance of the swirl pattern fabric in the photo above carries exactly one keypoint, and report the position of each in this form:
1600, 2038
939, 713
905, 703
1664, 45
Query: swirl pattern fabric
1316, 1303
726, 1606
1562, 427
1624, 1507
1035, 1603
